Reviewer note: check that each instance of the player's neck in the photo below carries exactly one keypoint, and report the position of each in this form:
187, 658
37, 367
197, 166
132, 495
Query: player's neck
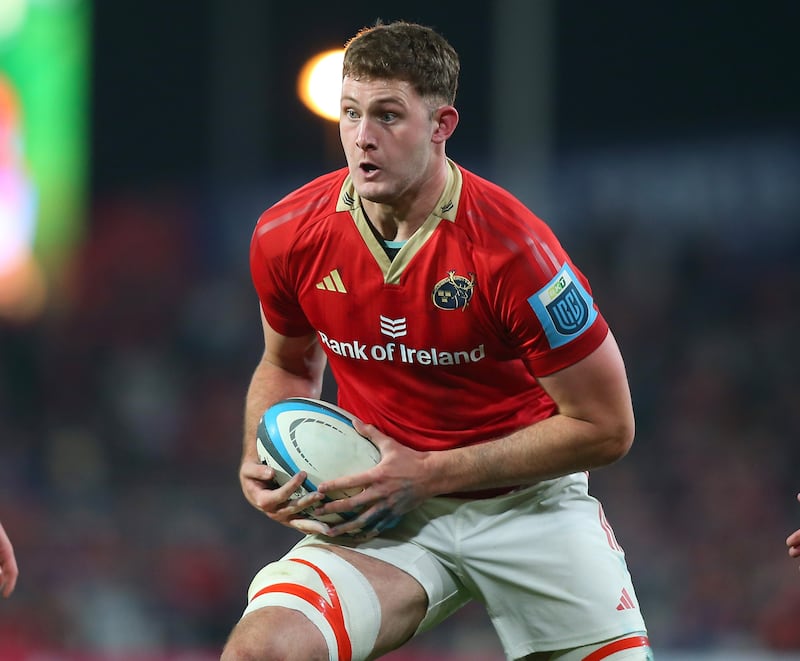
391, 225
398, 221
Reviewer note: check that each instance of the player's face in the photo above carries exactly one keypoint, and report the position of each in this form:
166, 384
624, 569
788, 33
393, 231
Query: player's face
386, 130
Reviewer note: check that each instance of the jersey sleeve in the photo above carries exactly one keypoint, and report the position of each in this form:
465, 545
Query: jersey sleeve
551, 311
272, 281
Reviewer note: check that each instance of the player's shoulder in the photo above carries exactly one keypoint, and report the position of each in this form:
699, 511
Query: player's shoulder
304, 205
487, 209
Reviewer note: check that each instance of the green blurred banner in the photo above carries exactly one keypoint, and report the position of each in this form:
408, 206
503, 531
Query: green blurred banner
44, 143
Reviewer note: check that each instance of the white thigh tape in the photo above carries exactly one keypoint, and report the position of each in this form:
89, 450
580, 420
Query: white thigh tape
330, 592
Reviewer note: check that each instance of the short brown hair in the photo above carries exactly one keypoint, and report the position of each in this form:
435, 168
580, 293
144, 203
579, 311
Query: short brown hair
405, 51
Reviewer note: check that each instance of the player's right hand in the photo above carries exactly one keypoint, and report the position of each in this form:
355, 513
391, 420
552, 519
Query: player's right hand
263, 493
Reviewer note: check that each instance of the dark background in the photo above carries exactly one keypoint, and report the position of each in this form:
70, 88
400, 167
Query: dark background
671, 176
624, 72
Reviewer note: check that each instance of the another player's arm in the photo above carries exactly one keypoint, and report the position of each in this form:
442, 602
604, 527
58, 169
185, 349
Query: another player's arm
289, 367
8, 565
793, 541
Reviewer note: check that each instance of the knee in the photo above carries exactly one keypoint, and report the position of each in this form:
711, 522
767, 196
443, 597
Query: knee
274, 640
234, 651
237, 649
272, 651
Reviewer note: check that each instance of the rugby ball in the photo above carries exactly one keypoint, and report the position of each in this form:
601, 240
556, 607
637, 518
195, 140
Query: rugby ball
302, 434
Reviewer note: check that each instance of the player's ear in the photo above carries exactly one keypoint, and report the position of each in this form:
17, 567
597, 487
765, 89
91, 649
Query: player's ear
446, 118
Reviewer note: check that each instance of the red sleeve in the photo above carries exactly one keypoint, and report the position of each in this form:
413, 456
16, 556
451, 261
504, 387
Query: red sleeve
544, 302
268, 268
552, 312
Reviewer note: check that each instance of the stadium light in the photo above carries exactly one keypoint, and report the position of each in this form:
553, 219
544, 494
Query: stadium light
319, 84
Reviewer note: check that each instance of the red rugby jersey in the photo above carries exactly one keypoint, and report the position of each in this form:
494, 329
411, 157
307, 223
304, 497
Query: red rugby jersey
439, 347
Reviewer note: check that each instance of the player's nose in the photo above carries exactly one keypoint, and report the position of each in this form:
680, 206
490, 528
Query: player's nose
364, 135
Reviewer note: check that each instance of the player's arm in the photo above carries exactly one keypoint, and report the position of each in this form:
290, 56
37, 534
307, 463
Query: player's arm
8, 565
594, 427
793, 541
289, 367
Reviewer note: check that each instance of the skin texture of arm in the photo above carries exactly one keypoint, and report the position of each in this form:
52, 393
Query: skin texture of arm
594, 427
289, 367
793, 541
8, 565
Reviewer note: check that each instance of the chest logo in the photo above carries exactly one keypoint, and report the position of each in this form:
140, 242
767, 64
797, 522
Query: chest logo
394, 327
453, 292
332, 282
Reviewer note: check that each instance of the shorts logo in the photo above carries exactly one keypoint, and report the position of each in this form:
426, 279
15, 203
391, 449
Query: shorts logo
564, 307
454, 291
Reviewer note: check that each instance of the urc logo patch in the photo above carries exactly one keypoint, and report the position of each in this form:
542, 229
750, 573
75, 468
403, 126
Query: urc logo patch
564, 307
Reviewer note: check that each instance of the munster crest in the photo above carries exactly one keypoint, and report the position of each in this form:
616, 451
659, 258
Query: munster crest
453, 292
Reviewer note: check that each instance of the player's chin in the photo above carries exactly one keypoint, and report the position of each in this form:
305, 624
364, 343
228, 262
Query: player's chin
372, 190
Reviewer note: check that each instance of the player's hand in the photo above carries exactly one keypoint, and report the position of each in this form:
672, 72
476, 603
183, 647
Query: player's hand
793, 541
394, 487
276, 502
8, 565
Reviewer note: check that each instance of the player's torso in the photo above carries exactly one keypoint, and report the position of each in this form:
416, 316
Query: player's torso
419, 333
423, 309
436, 331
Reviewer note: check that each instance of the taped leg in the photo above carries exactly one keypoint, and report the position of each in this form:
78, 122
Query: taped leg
335, 596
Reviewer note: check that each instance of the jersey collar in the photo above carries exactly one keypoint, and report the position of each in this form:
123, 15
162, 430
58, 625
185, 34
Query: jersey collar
446, 208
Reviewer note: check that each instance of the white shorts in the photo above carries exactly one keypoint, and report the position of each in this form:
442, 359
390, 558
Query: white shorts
543, 560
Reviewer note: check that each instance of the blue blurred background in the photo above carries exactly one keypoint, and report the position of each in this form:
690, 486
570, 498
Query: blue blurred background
659, 140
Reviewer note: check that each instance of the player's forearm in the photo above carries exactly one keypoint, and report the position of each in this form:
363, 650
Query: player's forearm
268, 385
551, 448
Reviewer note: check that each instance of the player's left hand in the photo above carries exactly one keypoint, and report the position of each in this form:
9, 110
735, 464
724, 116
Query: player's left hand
395, 486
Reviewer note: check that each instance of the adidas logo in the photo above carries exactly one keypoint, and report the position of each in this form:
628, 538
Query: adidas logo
332, 282
625, 601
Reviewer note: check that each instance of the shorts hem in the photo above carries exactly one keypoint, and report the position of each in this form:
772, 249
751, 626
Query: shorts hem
533, 647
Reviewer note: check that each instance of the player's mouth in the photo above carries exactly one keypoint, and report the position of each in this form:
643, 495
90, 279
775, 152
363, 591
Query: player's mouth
368, 168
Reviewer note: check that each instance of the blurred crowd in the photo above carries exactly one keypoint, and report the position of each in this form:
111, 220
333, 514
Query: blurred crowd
120, 418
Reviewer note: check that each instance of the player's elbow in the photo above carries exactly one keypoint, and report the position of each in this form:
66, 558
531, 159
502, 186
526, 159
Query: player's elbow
617, 440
